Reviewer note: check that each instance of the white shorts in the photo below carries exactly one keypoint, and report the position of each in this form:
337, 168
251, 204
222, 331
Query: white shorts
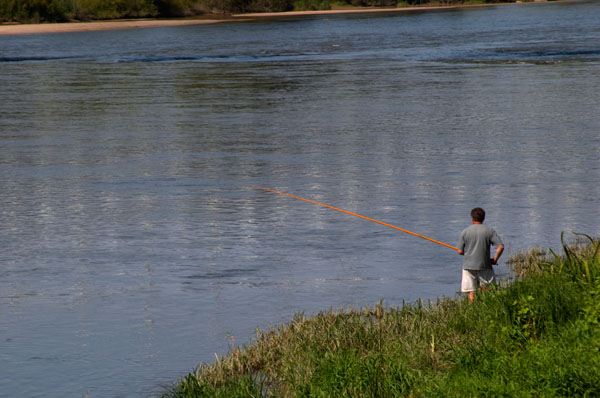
471, 279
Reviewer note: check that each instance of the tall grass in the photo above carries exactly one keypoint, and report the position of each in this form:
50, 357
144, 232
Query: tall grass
538, 336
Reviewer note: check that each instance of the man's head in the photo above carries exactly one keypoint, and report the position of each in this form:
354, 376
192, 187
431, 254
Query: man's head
478, 214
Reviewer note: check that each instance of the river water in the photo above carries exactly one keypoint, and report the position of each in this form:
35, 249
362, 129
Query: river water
133, 245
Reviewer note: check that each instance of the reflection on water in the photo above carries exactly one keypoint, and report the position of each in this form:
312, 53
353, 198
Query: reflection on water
133, 242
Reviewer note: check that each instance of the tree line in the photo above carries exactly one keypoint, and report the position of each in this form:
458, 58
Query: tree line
82, 10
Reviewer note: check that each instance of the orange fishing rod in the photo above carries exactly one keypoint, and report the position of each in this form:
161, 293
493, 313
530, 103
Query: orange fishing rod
357, 215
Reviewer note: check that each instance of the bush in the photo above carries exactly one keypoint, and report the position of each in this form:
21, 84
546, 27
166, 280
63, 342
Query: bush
175, 8
270, 5
111, 9
243, 6
368, 3
64, 10
310, 5
36, 10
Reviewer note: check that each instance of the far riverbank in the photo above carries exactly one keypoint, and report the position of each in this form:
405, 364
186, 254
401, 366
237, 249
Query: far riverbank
68, 27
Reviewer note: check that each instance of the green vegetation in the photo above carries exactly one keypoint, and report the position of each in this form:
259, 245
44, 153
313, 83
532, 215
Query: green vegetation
69, 10
311, 5
65, 10
536, 337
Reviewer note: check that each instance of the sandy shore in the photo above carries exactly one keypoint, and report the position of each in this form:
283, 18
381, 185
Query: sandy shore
348, 10
16, 29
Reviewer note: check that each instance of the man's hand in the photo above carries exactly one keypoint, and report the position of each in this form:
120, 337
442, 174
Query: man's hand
496, 257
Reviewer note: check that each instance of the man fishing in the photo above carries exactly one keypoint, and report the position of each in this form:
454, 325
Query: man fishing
474, 244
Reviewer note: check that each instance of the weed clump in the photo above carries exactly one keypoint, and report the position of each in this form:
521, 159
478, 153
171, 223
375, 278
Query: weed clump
538, 336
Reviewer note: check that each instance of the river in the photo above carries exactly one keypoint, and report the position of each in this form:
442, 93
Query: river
133, 244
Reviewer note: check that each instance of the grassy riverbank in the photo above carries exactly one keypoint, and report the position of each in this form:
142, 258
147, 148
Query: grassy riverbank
36, 11
539, 336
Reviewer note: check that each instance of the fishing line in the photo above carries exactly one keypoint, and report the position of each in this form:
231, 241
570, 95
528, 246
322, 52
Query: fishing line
357, 215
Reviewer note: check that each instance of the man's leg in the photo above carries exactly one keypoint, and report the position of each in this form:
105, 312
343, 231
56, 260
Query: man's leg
469, 283
485, 278
471, 296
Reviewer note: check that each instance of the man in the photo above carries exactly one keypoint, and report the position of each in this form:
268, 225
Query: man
474, 244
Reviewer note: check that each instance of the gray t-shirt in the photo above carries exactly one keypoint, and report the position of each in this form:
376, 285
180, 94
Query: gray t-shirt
475, 242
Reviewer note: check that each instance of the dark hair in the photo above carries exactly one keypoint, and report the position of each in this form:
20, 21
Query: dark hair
478, 214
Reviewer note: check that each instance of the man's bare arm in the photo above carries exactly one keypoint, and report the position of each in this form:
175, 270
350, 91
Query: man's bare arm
499, 251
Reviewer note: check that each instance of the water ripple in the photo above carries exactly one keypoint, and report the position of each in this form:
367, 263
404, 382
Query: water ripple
512, 55
36, 58
212, 58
